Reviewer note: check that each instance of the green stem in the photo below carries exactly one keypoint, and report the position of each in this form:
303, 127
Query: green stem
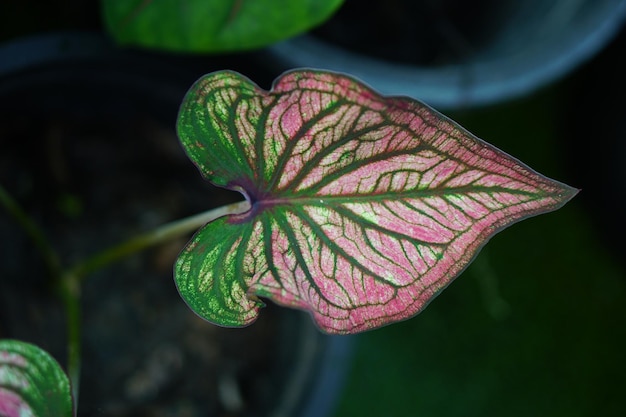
159, 235
69, 292
67, 286
34, 232
70, 287
69, 280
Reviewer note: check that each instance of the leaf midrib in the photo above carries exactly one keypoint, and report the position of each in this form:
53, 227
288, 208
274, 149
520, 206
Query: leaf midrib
325, 200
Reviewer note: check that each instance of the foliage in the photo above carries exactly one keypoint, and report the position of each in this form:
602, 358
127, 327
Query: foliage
363, 207
31, 382
359, 208
213, 25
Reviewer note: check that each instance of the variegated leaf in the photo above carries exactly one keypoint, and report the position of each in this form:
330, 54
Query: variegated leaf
363, 207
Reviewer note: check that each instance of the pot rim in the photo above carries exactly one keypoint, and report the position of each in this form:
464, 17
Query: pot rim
483, 81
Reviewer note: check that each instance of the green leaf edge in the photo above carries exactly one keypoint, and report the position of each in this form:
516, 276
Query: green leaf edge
52, 396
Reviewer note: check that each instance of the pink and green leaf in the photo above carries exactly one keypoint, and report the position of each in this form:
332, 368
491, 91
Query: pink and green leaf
363, 207
32, 383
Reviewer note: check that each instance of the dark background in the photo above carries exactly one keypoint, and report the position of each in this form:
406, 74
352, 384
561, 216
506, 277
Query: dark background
536, 325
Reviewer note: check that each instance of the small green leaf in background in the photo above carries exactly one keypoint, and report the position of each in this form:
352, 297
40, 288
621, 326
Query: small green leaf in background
364, 207
32, 384
211, 25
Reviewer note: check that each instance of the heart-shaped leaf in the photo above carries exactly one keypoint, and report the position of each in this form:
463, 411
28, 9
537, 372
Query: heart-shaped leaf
363, 207
211, 25
32, 383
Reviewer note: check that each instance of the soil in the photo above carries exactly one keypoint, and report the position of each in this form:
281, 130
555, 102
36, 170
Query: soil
422, 32
93, 178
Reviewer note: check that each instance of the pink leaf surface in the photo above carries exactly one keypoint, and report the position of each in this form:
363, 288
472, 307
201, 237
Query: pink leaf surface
364, 207
12, 405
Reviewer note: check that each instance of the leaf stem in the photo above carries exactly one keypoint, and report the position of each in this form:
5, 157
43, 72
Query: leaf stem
159, 235
69, 292
67, 286
34, 232
69, 281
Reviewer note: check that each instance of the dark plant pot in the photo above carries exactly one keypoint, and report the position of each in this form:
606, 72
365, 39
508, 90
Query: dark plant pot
88, 148
456, 54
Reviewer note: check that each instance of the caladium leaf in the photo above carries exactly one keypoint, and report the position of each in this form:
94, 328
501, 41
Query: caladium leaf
32, 383
363, 207
211, 25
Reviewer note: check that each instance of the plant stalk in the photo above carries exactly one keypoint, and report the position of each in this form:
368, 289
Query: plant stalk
34, 232
69, 281
69, 292
154, 237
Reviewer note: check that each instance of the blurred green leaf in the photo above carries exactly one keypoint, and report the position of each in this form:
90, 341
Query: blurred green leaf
213, 25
